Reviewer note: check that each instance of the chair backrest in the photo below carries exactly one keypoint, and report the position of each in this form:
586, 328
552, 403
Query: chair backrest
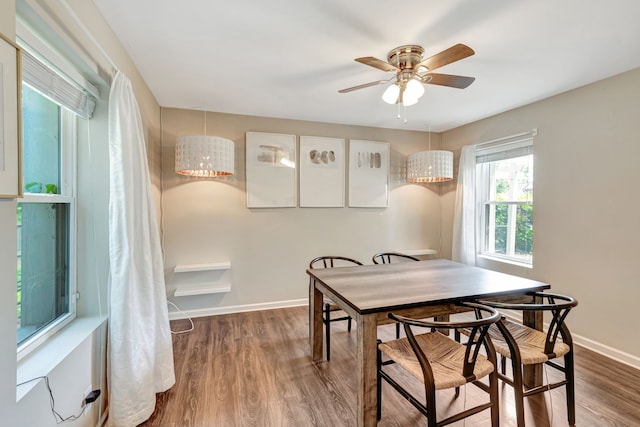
477, 332
558, 305
389, 257
332, 261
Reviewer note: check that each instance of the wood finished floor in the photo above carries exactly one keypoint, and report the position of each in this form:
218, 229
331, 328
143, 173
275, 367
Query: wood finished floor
254, 369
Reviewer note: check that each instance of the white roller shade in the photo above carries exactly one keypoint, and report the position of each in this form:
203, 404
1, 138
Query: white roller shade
505, 148
56, 87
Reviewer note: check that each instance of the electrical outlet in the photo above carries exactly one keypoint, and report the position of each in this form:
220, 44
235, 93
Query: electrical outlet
84, 396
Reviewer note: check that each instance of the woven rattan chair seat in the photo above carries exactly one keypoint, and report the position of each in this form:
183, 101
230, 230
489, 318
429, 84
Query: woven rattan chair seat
530, 342
445, 356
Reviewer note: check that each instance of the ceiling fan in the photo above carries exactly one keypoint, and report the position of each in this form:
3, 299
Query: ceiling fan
411, 70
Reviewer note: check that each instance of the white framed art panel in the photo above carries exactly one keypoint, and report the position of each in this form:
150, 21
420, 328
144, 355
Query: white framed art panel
322, 173
368, 174
271, 170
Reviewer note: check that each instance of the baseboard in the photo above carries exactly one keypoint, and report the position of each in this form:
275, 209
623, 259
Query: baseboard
589, 344
605, 350
214, 311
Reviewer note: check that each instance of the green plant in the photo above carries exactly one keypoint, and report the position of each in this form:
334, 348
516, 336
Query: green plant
37, 187
33, 187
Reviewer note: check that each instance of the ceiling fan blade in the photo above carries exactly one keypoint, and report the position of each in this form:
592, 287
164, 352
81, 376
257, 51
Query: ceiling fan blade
378, 63
362, 86
447, 56
459, 82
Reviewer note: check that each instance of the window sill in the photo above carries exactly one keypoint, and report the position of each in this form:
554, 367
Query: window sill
504, 261
47, 356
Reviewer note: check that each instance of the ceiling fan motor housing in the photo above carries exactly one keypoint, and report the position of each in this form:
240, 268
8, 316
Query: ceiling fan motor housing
406, 57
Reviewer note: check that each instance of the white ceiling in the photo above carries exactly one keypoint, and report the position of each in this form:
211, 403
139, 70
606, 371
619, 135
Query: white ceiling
289, 58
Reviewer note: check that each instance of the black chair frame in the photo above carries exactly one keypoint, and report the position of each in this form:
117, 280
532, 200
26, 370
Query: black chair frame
559, 306
328, 307
478, 337
387, 257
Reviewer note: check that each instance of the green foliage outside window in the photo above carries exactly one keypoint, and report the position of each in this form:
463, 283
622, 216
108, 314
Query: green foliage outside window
502, 215
524, 222
524, 230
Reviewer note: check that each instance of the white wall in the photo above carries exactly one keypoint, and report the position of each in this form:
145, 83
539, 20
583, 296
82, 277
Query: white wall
206, 220
84, 363
586, 223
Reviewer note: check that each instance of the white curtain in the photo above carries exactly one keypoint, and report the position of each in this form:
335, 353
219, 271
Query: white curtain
464, 219
140, 350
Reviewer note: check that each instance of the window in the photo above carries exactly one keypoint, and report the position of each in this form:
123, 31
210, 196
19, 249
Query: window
505, 190
45, 217
46, 214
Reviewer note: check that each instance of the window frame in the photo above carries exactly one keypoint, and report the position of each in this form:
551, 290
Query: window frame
67, 190
485, 154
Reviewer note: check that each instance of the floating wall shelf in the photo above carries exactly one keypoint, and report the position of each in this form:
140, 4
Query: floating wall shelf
189, 290
419, 252
185, 268
202, 288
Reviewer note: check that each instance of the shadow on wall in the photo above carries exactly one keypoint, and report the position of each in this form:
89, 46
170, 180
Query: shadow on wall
397, 169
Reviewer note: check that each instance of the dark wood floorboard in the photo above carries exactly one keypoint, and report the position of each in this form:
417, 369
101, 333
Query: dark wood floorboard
254, 369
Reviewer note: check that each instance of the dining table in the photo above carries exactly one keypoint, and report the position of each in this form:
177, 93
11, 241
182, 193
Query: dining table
420, 289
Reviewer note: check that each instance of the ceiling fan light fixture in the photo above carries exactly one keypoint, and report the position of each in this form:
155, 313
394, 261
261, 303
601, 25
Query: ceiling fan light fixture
408, 101
412, 71
390, 95
414, 89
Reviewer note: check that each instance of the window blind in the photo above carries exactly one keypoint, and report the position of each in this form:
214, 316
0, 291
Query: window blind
505, 148
56, 87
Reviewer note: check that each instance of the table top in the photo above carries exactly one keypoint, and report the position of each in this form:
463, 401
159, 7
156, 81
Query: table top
383, 287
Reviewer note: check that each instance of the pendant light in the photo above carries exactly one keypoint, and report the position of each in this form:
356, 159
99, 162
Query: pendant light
430, 165
204, 156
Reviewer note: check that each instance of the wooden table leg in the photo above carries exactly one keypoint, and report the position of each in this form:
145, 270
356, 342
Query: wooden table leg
315, 320
367, 375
